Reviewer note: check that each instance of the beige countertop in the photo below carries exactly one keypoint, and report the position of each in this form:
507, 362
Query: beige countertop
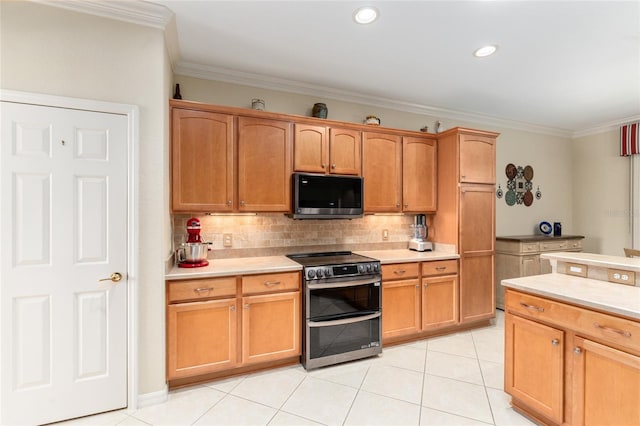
236, 266
406, 255
601, 295
271, 264
602, 260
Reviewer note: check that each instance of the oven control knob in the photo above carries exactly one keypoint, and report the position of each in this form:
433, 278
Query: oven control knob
311, 274
327, 272
361, 268
368, 268
319, 273
376, 267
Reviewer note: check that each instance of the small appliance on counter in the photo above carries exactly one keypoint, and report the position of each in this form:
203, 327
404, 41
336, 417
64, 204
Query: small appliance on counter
419, 234
193, 253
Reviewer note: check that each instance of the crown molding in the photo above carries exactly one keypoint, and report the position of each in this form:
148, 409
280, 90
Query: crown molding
605, 127
134, 12
273, 83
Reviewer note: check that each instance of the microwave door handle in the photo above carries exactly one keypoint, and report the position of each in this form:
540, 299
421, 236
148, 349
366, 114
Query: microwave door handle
343, 321
350, 283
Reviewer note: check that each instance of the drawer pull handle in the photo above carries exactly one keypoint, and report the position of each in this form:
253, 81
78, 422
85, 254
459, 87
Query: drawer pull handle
555, 342
271, 283
531, 307
613, 330
201, 289
440, 268
399, 271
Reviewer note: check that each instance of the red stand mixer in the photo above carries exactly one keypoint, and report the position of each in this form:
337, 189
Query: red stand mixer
193, 253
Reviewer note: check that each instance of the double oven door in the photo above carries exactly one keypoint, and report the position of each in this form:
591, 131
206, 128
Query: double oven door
343, 320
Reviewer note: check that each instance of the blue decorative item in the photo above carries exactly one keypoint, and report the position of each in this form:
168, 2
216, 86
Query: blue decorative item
545, 228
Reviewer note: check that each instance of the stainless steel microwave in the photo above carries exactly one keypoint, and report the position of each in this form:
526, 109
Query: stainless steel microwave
327, 196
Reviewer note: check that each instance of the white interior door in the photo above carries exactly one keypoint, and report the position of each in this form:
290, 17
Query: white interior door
63, 185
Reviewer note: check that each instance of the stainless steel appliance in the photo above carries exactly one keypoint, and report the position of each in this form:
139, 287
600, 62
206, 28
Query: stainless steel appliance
342, 306
327, 197
193, 253
419, 234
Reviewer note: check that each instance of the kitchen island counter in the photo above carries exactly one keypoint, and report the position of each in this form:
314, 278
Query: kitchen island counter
600, 295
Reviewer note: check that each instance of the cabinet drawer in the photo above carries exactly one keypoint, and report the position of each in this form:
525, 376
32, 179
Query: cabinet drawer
207, 288
252, 284
554, 245
440, 267
398, 271
604, 327
574, 244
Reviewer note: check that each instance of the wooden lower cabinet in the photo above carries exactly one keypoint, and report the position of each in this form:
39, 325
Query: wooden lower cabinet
270, 327
201, 337
218, 325
570, 365
606, 385
477, 299
531, 349
423, 300
400, 308
439, 302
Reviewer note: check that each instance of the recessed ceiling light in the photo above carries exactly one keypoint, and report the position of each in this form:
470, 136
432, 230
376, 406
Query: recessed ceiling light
485, 51
365, 15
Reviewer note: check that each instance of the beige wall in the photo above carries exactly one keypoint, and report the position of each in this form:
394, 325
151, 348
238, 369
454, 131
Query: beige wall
54, 51
550, 156
602, 201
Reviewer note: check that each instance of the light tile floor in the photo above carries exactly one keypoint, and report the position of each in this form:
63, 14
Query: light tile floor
449, 380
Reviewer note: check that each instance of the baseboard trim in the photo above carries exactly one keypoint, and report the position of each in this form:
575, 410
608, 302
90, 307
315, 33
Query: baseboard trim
153, 398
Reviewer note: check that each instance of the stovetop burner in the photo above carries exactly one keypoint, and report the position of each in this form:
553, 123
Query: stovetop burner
328, 258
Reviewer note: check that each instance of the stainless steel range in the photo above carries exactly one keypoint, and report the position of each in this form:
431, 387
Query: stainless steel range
342, 306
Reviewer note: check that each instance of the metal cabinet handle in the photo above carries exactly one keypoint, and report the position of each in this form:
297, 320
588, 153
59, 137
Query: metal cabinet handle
232, 307
613, 330
246, 306
229, 202
440, 268
333, 166
201, 289
399, 271
531, 307
324, 165
577, 350
406, 206
397, 204
242, 203
114, 277
271, 283
555, 342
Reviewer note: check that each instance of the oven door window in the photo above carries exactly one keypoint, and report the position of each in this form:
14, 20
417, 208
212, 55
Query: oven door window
344, 302
341, 336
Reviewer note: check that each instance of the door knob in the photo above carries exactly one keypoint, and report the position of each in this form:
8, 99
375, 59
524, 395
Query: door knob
115, 277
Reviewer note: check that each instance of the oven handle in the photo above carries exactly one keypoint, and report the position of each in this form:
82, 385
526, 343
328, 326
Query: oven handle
350, 283
343, 321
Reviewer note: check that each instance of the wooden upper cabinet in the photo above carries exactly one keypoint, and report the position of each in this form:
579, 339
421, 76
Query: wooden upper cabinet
477, 159
201, 161
311, 150
345, 147
264, 165
419, 174
382, 172
318, 149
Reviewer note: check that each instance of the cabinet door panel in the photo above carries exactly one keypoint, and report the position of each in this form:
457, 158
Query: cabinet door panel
264, 165
201, 161
439, 302
345, 151
477, 300
381, 169
606, 385
534, 365
271, 327
419, 174
400, 307
310, 153
477, 159
201, 337
530, 265
477, 219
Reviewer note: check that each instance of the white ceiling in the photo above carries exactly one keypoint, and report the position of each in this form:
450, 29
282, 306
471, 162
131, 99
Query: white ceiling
566, 66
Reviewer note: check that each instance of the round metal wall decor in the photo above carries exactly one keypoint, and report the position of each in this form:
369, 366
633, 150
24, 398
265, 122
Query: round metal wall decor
519, 186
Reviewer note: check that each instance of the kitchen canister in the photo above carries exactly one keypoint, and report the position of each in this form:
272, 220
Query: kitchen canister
319, 110
557, 229
257, 104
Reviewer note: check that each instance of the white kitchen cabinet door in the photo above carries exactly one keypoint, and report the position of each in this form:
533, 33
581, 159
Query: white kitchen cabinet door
63, 185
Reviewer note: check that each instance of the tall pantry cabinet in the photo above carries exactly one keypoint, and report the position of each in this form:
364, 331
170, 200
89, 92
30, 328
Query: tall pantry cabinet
466, 214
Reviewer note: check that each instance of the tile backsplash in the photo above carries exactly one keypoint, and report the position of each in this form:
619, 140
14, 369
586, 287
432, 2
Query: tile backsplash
276, 234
